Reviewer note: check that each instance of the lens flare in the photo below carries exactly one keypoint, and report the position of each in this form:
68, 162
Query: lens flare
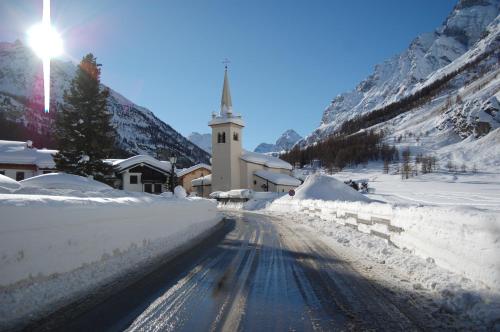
46, 43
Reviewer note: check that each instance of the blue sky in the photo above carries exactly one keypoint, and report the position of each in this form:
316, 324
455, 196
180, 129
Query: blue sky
289, 58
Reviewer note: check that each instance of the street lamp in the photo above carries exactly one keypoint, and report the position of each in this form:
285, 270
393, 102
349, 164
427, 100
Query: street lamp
173, 160
202, 184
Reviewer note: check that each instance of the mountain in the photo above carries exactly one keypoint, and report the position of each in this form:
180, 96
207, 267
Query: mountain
405, 76
204, 141
21, 102
284, 143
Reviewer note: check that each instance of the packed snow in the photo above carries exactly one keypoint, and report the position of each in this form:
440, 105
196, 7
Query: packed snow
7, 184
62, 236
64, 181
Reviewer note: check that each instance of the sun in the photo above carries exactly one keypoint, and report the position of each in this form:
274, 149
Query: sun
45, 41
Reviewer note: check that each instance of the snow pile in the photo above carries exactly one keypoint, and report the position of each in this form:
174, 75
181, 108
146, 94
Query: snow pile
235, 193
7, 184
326, 188
64, 181
180, 192
55, 248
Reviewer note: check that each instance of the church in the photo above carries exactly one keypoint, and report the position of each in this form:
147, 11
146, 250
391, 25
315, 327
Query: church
235, 168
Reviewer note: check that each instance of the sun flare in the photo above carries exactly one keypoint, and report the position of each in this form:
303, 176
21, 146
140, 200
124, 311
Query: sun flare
45, 41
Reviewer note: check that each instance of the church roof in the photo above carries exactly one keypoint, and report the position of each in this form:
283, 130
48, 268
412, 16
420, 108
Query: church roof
262, 159
226, 105
278, 178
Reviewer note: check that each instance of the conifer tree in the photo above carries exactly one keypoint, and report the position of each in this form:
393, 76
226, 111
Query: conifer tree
83, 130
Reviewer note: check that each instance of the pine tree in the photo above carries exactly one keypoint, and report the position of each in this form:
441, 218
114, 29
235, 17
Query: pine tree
83, 130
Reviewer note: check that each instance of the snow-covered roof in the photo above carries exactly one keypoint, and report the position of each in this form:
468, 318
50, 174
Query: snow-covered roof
205, 180
122, 164
184, 171
266, 160
15, 152
278, 178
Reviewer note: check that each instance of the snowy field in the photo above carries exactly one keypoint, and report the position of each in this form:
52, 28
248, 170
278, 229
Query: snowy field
447, 250
62, 236
481, 190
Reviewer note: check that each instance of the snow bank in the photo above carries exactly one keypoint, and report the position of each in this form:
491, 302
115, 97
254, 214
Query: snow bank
54, 248
327, 188
8, 184
64, 181
464, 240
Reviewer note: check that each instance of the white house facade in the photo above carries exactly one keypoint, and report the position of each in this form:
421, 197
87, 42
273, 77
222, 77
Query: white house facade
141, 173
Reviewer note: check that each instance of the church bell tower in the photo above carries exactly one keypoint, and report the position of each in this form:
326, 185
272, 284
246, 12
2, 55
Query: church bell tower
226, 143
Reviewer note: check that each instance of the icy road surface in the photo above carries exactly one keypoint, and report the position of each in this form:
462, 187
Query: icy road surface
258, 275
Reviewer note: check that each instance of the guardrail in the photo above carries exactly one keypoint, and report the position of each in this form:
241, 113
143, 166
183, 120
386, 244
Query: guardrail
374, 225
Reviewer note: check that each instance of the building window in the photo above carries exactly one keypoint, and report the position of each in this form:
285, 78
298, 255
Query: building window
19, 176
235, 137
221, 137
133, 179
2, 172
157, 188
254, 182
148, 187
46, 172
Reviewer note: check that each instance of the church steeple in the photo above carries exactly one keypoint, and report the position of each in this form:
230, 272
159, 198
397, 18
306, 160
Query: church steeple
226, 105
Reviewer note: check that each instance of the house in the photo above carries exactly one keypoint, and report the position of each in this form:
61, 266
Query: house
235, 168
186, 175
141, 173
20, 160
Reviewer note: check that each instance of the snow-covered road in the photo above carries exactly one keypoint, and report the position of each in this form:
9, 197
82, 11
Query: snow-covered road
261, 273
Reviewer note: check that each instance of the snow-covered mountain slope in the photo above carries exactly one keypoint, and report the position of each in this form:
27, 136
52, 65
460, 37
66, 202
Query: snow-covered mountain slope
406, 73
460, 121
204, 141
284, 143
21, 100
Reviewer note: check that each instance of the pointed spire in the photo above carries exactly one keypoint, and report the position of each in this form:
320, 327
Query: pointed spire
226, 105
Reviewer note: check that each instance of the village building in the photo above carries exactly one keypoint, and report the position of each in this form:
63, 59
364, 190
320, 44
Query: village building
235, 168
141, 173
20, 160
186, 175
